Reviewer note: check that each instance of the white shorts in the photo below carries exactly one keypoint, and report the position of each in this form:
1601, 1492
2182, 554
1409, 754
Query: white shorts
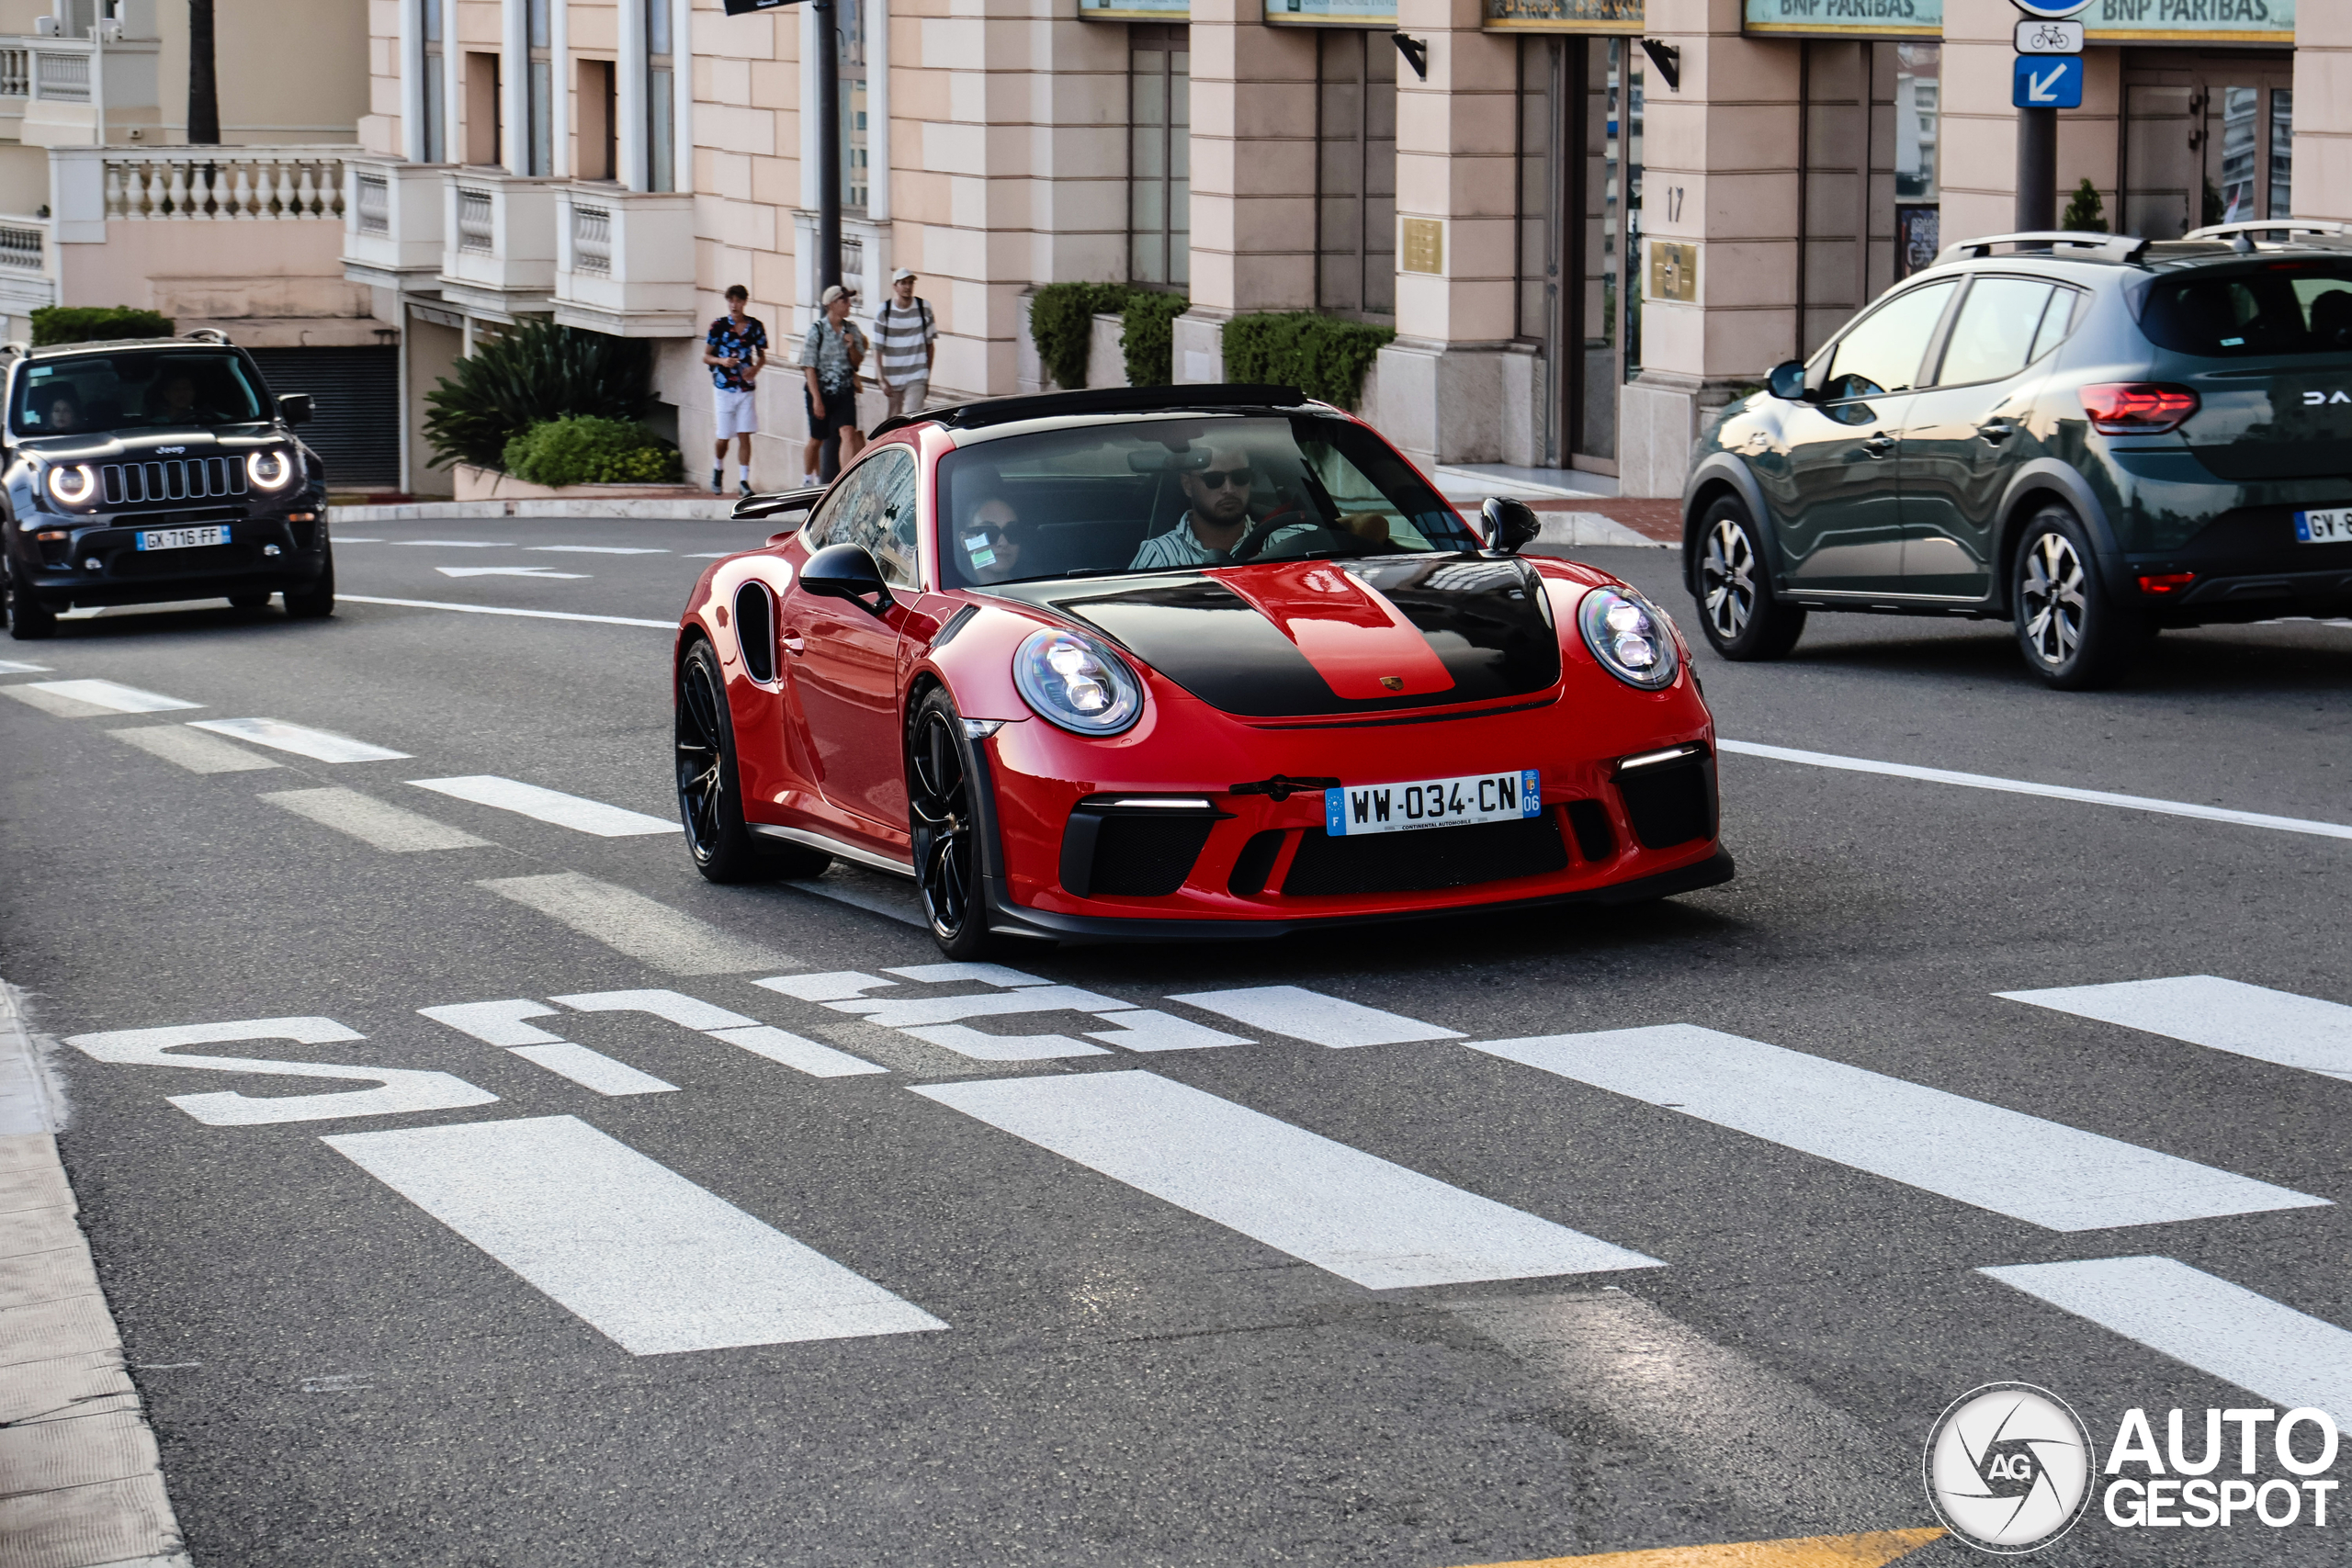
736, 412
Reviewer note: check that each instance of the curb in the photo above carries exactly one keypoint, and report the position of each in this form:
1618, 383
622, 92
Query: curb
717, 509
1576, 528
81, 1484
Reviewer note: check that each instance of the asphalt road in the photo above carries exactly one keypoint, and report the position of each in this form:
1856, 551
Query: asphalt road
1061, 1366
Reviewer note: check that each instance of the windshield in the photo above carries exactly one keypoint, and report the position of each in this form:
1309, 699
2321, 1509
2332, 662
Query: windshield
2286, 306
1156, 495
145, 389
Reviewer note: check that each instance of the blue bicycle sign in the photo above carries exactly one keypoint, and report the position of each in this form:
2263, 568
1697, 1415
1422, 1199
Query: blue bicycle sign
2052, 10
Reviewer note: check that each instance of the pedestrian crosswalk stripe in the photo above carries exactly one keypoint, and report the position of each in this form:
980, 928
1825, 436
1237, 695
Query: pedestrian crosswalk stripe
503, 610
1353, 1213
372, 821
105, 696
196, 752
460, 544
891, 903
643, 1256
572, 811
1872, 1549
2225, 1015
2223, 1329
597, 549
2042, 1173
631, 923
1311, 1016
13, 666
320, 745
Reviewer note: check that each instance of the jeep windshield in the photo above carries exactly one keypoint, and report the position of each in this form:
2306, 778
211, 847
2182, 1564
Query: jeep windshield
1172, 494
168, 388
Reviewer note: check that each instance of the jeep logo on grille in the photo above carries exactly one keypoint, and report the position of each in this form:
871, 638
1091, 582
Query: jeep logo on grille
176, 451
2312, 400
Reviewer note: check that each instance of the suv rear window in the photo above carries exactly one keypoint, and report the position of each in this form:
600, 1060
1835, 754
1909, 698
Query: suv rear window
2291, 307
138, 388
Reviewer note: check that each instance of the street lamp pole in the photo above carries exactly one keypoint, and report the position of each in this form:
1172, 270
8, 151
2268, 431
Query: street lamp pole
829, 130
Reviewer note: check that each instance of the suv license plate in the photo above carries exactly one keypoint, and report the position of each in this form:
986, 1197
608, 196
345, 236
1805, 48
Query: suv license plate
2333, 527
182, 538
1432, 803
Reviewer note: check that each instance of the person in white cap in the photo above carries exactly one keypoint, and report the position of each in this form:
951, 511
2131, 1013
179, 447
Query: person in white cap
829, 359
906, 338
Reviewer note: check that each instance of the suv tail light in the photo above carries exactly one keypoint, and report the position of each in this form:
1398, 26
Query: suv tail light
2138, 408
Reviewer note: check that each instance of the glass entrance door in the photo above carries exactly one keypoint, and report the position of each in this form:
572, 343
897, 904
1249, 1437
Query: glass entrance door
1606, 304
2207, 138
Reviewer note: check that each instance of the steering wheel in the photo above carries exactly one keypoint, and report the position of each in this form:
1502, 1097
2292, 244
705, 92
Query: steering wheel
1248, 547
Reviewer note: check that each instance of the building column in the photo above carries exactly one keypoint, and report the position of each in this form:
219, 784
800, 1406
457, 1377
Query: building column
633, 154
1444, 383
515, 86
411, 44
2323, 111
1253, 91
559, 160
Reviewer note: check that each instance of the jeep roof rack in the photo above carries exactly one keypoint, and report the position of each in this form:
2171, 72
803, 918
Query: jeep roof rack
1108, 400
2102, 247
206, 334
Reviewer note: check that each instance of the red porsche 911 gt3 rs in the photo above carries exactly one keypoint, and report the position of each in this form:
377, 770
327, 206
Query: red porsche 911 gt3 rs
1180, 662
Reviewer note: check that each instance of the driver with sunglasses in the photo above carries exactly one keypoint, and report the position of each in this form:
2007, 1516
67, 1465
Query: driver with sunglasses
1219, 515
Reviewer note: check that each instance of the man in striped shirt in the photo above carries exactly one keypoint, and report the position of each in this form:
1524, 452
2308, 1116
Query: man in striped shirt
905, 337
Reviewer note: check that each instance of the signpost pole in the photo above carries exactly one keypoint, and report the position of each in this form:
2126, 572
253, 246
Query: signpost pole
2037, 170
2049, 77
829, 148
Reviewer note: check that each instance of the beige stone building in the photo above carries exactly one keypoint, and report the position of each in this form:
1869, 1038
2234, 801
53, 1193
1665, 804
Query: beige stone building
1588, 221
103, 202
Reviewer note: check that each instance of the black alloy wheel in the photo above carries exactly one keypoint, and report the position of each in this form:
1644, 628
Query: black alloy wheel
317, 602
29, 620
945, 828
1734, 587
710, 800
2071, 630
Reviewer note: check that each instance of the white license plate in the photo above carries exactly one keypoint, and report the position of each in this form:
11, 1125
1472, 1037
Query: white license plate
182, 538
2334, 527
1432, 803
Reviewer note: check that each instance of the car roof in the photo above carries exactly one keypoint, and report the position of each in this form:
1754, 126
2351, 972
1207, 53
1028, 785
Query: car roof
114, 345
1076, 407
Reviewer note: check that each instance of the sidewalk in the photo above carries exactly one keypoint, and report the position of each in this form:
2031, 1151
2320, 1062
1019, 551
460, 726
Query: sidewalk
80, 1483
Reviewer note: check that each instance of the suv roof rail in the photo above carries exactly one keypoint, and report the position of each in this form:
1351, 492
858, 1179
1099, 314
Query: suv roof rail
206, 334
19, 347
2284, 228
2103, 247
1107, 399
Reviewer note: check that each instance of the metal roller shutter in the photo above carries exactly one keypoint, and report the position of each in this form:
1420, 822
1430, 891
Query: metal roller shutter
357, 395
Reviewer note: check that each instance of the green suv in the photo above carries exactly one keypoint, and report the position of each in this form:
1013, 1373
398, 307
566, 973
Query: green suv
2093, 437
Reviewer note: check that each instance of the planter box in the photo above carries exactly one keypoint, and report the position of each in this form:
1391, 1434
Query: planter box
488, 484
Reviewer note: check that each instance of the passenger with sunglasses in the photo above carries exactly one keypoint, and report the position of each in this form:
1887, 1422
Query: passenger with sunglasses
991, 538
1205, 535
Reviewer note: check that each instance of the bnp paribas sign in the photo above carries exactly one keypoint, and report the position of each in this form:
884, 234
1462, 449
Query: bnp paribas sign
2109, 21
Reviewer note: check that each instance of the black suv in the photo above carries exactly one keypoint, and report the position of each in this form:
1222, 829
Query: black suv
2093, 437
150, 469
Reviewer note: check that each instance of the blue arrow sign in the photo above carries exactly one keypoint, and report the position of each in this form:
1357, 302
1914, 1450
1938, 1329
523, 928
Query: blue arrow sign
2051, 9
2047, 82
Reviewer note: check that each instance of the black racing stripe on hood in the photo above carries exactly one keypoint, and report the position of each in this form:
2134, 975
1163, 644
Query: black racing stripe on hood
1483, 617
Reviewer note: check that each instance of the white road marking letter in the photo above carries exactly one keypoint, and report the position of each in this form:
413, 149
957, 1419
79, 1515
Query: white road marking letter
641, 1255
501, 1024
400, 1089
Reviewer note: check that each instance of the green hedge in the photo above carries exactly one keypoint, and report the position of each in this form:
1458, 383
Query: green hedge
537, 373
95, 323
1323, 357
583, 449
1061, 323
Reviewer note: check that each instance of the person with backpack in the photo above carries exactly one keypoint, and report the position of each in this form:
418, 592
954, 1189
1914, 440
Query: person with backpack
829, 361
906, 338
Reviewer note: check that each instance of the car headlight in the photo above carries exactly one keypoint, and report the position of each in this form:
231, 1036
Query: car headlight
1630, 636
1076, 683
271, 469
74, 484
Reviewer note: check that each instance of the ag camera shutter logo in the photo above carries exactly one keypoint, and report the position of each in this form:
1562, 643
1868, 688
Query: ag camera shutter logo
2008, 1468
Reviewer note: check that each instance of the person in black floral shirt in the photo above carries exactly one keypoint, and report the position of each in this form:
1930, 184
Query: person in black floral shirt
736, 349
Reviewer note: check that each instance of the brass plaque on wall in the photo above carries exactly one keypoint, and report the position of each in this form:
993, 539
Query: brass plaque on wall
1674, 271
1423, 246
1567, 16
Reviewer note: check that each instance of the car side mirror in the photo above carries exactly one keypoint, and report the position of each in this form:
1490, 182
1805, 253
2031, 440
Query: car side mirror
1787, 382
847, 572
1512, 526
294, 408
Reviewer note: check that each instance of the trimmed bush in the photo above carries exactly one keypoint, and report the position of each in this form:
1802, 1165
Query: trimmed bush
95, 323
1148, 336
1323, 357
534, 374
2087, 214
1061, 323
583, 449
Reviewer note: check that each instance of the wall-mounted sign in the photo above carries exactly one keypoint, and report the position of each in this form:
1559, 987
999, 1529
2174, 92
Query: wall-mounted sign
2193, 21
1423, 244
1134, 10
1674, 272
1331, 13
1846, 19
1567, 16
